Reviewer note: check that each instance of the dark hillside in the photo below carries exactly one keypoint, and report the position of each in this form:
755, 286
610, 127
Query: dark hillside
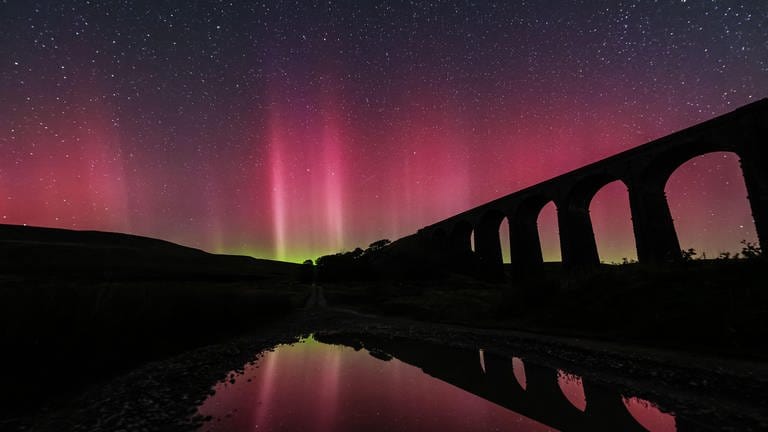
80, 306
48, 252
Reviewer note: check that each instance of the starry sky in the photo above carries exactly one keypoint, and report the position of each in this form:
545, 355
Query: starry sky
290, 130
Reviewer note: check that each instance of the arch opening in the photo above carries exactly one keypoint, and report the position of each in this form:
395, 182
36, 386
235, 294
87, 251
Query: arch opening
707, 198
611, 219
461, 239
504, 241
524, 236
549, 236
488, 245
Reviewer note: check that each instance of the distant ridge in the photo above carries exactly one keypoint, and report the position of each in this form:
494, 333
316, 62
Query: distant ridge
24, 233
55, 252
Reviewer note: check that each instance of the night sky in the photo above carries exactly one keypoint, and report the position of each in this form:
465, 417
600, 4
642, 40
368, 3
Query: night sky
294, 129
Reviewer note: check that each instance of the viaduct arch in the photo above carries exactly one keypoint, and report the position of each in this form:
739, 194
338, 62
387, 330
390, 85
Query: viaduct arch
644, 170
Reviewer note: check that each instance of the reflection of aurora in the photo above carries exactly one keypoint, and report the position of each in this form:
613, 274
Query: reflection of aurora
320, 387
335, 387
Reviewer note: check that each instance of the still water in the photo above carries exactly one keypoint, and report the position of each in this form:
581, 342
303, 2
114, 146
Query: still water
349, 385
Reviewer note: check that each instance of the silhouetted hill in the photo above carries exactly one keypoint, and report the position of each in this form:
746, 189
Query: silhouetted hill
42, 252
102, 302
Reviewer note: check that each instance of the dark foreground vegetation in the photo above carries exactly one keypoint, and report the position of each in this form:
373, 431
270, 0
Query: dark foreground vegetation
716, 306
80, 307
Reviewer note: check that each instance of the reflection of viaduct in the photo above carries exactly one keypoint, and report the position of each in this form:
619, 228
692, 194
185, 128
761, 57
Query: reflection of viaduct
644, 170
540, 400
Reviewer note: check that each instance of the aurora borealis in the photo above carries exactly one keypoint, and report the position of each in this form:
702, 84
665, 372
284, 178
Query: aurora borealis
294, 129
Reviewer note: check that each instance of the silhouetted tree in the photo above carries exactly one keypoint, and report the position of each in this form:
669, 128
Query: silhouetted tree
727, 255
751, 250
688, 254
341, 266
354, 265
307, 272
377, 245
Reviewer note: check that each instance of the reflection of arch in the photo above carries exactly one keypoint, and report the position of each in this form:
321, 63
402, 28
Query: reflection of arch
572, 388
518, 369
649, 415
526, 388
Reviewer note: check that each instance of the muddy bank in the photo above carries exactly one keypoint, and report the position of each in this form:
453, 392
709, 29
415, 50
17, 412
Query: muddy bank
719, 394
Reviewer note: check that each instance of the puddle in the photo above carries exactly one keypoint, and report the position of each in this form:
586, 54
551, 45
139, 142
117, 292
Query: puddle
337, 385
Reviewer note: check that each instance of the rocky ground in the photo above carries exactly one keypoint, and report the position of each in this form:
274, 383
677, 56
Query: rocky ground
727, 394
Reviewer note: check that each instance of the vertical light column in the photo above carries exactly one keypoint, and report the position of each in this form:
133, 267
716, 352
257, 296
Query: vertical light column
333, 183
277, 190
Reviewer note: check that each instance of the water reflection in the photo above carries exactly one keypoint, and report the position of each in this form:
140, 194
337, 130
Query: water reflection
312, 386
518, 369
573, 389
337, 386
649, 415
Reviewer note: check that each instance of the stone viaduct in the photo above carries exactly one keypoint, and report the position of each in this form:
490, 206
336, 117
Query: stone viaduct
644, 170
